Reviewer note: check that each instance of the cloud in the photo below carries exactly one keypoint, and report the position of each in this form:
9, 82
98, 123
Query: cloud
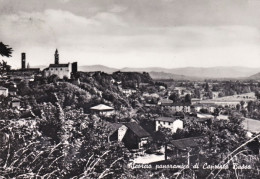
64, 1
53, 25
106, 37
117, 9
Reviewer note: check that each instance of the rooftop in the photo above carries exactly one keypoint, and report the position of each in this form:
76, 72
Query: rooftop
187, 142
205, 116
168, 101
181, 104
137, 129
166, 119
112, 126
59, 65
102, 107
2, 88
15, 100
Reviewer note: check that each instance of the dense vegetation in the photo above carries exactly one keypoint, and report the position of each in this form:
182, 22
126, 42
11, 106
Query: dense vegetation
55, 136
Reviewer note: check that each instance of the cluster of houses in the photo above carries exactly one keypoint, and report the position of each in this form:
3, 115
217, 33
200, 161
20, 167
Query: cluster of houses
136, 138
9, 89
131, 133
11, 78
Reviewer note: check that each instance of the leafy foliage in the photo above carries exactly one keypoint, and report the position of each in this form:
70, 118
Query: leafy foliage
5, 50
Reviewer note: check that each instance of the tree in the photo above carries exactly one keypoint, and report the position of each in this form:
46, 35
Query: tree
174, 97
242, 103
250, 106
257, 94
207, 87
164, 136
5, 50
187, 98
53, 78
216, 111
197, 93
238, 107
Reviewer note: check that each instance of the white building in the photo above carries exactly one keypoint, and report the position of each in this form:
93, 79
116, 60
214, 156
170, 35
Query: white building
61, 70
215, 95
168, 122
128, 91
102, 109
184, 107
3, 91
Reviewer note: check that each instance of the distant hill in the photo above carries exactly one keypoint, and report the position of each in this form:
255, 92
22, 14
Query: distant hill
92, 68
162, 75
255, 76
183, 73
211, 72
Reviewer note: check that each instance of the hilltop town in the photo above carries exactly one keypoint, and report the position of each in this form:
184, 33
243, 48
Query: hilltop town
63, 123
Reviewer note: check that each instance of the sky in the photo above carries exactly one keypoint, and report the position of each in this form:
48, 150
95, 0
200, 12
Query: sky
133, 33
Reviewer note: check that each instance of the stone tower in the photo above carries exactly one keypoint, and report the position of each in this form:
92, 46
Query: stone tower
56, 57
23, 60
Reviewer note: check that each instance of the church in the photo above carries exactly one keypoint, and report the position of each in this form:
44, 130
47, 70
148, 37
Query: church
61, 70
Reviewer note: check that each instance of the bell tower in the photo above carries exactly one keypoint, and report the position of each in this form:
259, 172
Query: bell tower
23, 60
56, 57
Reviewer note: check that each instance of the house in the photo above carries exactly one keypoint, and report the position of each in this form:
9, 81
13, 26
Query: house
197, 107
210, 107
15, 103
116, 131
184, 107
135, 137
131, 134
102, 109
199, 120
176, 107
187, 148
179, 90
165, 102
215, 95
195, 100
61, 70
4, 91
168, 122
128, 91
